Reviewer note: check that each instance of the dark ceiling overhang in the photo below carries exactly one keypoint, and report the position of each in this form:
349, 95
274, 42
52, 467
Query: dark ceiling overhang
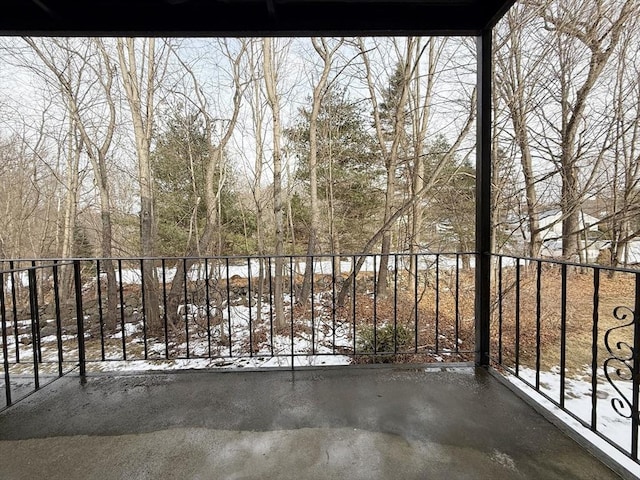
249, 17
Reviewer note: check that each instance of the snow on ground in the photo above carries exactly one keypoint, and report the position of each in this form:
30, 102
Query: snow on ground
251, 267
255, 362
633, 252
129, 330
578, 402
314, 343
252, 343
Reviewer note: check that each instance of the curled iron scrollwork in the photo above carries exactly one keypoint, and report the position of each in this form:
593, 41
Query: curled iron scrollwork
619, 366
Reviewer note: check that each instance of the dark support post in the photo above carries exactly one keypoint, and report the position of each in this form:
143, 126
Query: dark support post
635, 401
483, 198
35, 323
5, 351
80, 320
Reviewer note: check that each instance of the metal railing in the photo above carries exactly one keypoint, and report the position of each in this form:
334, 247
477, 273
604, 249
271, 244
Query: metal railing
40, 341
571, 333
566, 331
231, 312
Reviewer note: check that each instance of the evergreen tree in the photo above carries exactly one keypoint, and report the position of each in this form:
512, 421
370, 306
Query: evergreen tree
349, 171
179, 162
391, 97
452, 205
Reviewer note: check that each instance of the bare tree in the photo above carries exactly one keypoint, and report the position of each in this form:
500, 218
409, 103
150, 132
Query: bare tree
517, 80
62, 127
625, 176
139, 75
273, 98
390, 141
258, 106
326, 52
418, 196
95, 127
595, 28
217, 139
27, 197
421, 93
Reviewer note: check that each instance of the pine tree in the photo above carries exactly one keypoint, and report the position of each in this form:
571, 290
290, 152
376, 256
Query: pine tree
349, 171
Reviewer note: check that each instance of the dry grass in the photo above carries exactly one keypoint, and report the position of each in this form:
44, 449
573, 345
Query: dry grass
613, 292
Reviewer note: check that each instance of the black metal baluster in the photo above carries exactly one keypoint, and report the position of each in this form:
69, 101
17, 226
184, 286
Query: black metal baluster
186, 304
538, 320
563, 333
333, 301
500, 310
100, 311
33, 305
5, 350
270, 301
82, 362
353, 301
124, 344
457, 302
249, 301
144, 309
56, 301
36, 334
395, 304
636, 373
208, 302
517, 313
375, 306
228, 306
415, 303
14, 308
594, 349
165, 316
313, 301
291, 286
437, 303
334, 258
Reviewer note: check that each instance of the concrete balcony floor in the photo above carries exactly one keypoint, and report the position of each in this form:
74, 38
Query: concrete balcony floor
343, 423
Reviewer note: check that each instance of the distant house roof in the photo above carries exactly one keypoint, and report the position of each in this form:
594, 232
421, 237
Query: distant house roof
550, 213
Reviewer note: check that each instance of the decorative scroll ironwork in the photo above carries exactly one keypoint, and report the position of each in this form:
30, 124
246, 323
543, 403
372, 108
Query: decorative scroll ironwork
619, 366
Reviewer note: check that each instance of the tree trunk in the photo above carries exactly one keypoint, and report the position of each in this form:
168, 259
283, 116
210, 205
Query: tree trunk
601, 35
96, 145
270, 78
418, 196
421, 115
70, 210
210, 238
142, 115
326, 54
392, 165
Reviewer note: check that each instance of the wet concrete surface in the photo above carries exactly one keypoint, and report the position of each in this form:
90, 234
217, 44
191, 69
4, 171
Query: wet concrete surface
352, 423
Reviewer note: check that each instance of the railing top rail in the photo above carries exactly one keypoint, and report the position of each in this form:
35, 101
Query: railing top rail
53, 263
569, 263
238, 257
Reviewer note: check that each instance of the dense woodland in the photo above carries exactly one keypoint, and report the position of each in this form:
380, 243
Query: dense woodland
188, 147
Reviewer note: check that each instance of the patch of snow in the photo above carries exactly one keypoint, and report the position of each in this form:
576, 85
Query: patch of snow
578, 402
53, 338
219, 271
129, 330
